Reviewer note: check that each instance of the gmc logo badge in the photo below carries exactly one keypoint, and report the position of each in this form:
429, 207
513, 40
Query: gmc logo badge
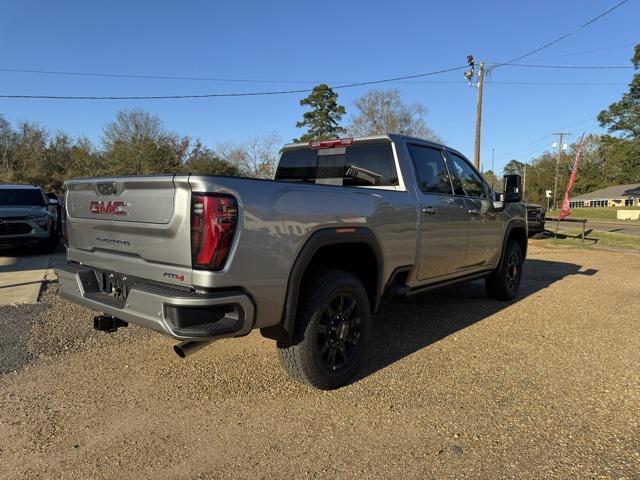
108, 208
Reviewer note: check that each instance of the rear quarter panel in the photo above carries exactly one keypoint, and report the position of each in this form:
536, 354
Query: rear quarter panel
277, 218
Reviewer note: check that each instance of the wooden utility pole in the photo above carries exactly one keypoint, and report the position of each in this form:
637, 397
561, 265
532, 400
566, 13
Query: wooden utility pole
476, 150
555, 182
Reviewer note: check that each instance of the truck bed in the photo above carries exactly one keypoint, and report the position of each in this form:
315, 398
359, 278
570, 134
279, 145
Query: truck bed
151, 240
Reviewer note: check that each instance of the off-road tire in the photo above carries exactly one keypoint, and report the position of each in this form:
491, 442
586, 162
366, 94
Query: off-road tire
503, 283
302, 358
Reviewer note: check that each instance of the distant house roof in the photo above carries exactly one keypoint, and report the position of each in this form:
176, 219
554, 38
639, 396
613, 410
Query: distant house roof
617, 191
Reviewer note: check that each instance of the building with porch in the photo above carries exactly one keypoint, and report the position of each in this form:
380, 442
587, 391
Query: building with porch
615, 196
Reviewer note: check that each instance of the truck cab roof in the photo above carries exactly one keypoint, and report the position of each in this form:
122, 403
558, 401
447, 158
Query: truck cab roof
388, 137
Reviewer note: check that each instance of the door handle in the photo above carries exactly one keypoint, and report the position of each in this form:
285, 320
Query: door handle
474, 211
429, 210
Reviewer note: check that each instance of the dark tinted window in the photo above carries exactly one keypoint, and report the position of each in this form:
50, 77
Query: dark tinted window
21, 196
466, 181
355, 166
370, 164
297, 166
432, 173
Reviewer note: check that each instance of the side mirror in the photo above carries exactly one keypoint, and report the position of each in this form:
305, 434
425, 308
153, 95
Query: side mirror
512, 188
53, 198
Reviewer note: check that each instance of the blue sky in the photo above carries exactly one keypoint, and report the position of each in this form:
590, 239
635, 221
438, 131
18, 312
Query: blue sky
327, 41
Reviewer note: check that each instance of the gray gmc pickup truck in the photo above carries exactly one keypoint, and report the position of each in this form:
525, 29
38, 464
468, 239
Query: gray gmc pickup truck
306, 257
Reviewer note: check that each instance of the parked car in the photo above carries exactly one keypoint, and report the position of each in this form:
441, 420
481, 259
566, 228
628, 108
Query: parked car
55, 200
535, 218
306, 257
28, 218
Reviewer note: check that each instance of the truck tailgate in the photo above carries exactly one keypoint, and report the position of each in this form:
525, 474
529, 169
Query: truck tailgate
133, 225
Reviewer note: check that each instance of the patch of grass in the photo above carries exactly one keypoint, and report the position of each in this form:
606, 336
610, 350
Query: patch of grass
570, 236
604, 213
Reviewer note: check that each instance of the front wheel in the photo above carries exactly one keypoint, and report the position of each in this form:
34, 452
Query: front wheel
504, 282
332, 328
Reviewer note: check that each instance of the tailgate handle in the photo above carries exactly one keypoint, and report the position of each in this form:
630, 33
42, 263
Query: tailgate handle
107, 188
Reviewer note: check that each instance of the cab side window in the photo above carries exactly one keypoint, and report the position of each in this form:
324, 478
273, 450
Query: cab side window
432, 172
466, 181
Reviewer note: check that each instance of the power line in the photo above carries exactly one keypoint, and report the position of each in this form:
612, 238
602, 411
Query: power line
535, 148
544, 137
152, 97
579, 123
578, 67
248, 80
281, 92
147, 77
520, 83
285, 92
582, 52
524, 148
215, 95
553, 42
560, 83
531, 149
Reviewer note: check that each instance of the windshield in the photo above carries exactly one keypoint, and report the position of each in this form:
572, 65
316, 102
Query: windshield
18, 197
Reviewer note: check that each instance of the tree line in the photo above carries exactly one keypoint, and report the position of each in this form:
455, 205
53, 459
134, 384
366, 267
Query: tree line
137, 142
605, 161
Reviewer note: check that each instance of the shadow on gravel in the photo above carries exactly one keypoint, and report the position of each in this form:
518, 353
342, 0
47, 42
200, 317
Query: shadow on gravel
402, 328
28, 258
15, 329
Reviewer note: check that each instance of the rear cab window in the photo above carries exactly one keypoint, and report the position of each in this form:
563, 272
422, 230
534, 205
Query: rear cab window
370, 164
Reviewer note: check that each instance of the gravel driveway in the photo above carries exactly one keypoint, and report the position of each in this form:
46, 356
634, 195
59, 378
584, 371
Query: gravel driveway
456, 386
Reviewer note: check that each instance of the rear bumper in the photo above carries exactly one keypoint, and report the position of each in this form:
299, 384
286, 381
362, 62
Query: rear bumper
179, 313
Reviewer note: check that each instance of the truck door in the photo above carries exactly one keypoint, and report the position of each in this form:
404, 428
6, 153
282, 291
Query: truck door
485, 226
444, 220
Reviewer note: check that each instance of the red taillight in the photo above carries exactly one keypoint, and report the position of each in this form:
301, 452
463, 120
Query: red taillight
339, 142
213, 224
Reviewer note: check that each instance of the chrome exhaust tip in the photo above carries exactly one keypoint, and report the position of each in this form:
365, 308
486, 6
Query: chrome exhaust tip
183, 349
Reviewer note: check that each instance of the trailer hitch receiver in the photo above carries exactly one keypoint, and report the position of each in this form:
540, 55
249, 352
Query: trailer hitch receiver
107, 323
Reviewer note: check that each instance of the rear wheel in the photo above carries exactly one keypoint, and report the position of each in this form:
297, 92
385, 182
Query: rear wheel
503, 283
332, 328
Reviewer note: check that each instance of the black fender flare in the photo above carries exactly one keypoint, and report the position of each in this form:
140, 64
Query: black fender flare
513, 224
283, 331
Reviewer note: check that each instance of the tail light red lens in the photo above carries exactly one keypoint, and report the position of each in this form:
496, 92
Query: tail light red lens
213, 224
